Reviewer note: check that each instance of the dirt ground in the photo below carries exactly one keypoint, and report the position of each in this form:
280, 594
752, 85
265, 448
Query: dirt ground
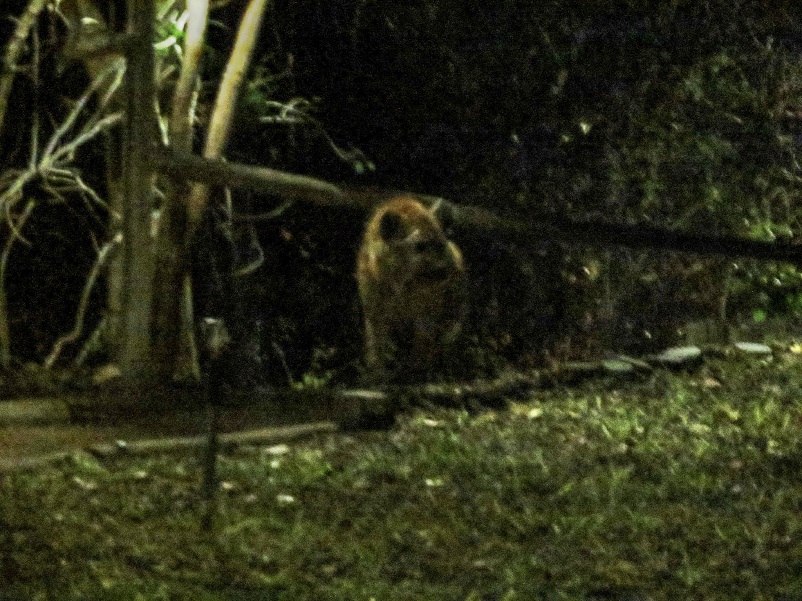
30, 438
26, 440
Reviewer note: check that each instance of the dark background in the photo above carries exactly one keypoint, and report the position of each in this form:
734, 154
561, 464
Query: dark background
680, 114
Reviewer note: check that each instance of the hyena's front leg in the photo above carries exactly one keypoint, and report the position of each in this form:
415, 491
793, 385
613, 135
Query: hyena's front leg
378, 349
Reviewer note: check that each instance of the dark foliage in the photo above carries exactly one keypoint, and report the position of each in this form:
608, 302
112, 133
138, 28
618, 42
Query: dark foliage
683, 115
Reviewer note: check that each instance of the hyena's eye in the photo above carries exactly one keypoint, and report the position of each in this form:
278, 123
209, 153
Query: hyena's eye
391, 227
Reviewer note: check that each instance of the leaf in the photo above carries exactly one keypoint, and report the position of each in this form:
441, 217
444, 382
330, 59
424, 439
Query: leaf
731, 413
678, 356
618, 367
753, 348
535, 412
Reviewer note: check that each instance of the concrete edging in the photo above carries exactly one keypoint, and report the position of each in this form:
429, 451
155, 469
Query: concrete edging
34, 411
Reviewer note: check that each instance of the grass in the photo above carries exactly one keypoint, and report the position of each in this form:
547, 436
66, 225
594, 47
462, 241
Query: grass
675, 487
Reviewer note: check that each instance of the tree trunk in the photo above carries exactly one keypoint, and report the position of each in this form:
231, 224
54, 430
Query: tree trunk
138, 257
172, 312
173, 322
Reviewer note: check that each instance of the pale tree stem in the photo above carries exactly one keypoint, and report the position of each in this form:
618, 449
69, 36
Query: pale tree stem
174, 344
226, 100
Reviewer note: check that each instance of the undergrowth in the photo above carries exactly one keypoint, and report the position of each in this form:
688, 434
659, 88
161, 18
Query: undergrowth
677, 486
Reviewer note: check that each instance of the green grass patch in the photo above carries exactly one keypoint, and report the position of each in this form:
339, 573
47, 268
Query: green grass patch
675, 487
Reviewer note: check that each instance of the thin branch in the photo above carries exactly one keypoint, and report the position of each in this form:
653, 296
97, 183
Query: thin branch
9, 200
68, 149
48, 168
49, 164
295, 112
118, 67
264, 216
102, 256
80, 105
5, 333
90, 197
36, 83
14, 51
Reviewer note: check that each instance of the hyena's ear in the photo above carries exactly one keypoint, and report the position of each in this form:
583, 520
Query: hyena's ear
435, 206
444, 212
391, 227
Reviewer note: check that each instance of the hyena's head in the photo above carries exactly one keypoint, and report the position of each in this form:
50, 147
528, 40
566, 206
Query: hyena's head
414, 244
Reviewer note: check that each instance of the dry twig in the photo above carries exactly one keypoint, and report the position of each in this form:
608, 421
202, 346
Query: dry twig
14, 50
74, 334
52, 169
